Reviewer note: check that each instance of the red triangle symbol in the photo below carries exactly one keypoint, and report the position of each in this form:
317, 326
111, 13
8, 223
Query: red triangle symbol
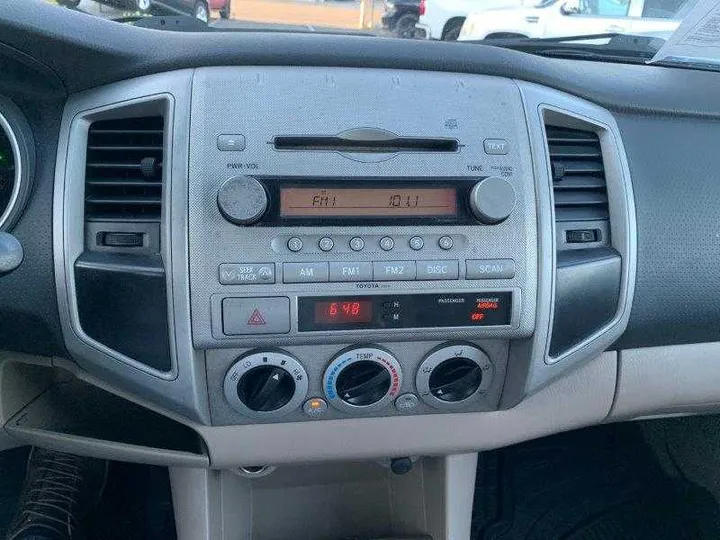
256, 319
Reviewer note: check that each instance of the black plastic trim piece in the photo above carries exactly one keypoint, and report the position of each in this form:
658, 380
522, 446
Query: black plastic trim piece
122, 303
587, 291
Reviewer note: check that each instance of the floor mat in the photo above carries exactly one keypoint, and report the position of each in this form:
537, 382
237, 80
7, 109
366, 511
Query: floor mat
136, 505
13, 464
600, 483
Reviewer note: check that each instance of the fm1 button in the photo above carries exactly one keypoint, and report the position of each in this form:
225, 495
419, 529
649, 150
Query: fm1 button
246, 316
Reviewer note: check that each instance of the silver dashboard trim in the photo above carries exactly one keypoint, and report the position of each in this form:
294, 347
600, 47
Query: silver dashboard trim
183, 389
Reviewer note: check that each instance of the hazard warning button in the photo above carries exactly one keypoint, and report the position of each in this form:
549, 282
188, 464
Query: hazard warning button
245, 316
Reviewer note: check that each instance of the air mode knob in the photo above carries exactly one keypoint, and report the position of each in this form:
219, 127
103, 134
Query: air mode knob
492, 200
266, 384
242, 200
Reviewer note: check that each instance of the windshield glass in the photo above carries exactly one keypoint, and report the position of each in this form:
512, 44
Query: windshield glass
501, 21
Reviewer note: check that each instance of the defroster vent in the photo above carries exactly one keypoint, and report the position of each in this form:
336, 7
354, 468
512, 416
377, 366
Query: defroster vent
578, 175
123, 177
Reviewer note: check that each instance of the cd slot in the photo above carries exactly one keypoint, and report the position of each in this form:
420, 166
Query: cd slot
369, 145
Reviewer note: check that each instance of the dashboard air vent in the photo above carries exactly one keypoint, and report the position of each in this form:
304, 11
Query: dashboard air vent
123, 176
578, 175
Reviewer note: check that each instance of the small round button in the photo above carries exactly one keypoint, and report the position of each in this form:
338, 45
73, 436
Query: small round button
315, 407
406, 402
294, 244
326, 244
387, 243
416, 243
445, 242
357, 244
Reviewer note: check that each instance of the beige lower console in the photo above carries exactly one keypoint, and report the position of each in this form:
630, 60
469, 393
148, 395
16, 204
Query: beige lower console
335, 501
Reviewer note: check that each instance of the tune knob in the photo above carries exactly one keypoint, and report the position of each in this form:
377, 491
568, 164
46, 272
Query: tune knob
492, 200
266, 383
242, 200
362, 379
452, 375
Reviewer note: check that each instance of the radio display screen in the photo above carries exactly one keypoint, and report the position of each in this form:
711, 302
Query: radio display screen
343, 312
320, 202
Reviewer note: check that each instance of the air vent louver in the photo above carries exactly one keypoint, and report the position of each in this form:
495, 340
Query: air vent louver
123, 176
578, 175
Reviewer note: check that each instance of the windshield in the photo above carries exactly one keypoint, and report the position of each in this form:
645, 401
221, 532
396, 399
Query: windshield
498, 21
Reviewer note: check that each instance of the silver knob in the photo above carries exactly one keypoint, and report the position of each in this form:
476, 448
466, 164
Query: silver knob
492, 200
242, 200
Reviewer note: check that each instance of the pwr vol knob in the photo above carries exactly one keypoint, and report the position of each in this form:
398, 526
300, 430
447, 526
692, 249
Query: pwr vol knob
266, 384
362, 379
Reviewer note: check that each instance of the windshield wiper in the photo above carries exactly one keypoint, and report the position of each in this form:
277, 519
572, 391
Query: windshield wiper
619, 47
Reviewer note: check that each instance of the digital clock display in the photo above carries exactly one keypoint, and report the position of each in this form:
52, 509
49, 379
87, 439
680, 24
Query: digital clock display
343, 312
319, 202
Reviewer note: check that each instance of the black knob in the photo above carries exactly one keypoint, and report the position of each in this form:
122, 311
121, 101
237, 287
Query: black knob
266, 388
242, 200
455, 379
363, 383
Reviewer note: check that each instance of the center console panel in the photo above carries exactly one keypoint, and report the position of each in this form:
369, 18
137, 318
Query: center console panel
362, 247
339, 248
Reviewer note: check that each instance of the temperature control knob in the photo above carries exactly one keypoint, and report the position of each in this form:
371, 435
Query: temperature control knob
242, 200
492, 200
265, 384
362, 379
452, 375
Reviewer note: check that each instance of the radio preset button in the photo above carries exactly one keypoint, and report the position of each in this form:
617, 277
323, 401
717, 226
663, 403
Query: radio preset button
305, 272
437, 270
246, 274
490, 269
361, 271
387, 243
294, 244
357, 244
445, 242
326, 243
416, 243
394, 271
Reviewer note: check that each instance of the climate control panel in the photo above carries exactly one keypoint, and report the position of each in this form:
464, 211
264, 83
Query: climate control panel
321, 382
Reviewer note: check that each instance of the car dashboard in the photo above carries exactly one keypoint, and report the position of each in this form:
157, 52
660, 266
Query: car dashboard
261, 252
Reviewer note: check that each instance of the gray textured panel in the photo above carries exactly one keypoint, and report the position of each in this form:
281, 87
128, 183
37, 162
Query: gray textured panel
263, 103
674, 166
